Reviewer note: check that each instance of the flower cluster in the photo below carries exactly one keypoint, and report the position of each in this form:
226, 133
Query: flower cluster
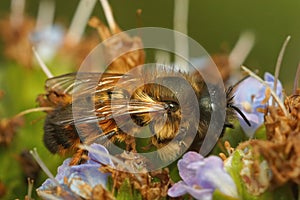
78, 180
249, 97
255, 169
202, 176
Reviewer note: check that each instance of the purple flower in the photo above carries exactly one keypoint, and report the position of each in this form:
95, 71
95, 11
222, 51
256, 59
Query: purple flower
77, 180
248, 98
201, 177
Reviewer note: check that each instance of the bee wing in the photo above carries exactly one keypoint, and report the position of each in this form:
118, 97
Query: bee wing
86, 85
110, 119
80, 83
119, 109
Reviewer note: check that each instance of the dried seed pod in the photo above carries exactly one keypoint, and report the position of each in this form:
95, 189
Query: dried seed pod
8, 128
281, 149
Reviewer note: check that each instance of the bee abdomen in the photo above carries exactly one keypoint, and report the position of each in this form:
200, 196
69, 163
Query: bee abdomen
58, 137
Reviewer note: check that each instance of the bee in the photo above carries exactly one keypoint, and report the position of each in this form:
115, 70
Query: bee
105, 107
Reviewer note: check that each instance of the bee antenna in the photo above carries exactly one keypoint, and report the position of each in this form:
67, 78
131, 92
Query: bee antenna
42, 63
240, 113
229, 91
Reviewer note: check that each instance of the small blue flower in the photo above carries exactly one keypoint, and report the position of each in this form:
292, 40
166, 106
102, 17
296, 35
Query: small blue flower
78, 180
248, 98
201, 177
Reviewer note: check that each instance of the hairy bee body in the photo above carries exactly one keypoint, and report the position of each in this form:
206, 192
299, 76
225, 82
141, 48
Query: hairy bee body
99, 109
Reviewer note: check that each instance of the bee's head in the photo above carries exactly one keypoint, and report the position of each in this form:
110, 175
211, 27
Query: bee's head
180, 99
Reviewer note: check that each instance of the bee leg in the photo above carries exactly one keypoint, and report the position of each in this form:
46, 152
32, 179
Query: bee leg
80, 156
129, 140
130, 143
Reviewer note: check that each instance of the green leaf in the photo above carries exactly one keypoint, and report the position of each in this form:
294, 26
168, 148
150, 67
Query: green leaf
125, 191
260, 133
174, 172
234, 170
109, 183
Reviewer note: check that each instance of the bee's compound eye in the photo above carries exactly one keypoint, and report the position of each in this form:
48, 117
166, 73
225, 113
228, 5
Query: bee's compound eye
171, 106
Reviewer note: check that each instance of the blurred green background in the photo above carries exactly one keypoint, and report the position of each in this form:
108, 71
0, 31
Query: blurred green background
214, 24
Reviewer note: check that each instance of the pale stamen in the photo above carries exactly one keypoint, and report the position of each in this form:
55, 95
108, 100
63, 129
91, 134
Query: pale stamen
296, 79
17, 13
79, 21
238, 55
45, 14
241, 50
37, 158
29, 190
42, 63
278, 64
109, 16
180, 23
40, 109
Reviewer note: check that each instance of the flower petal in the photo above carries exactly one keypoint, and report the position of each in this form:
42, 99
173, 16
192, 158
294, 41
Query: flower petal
213, 175
246, 90
96, 158
90, 173
269, 77
188, 175
180, 189
256, 120
78, 179
62, 172
53, 195
177, 189
251, 92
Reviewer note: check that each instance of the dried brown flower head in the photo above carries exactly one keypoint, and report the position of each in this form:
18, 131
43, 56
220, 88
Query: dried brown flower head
133, 47
16, 42
78, 52
8, 128
281, 149
29, 166
151, 185
99, 192
222, 62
